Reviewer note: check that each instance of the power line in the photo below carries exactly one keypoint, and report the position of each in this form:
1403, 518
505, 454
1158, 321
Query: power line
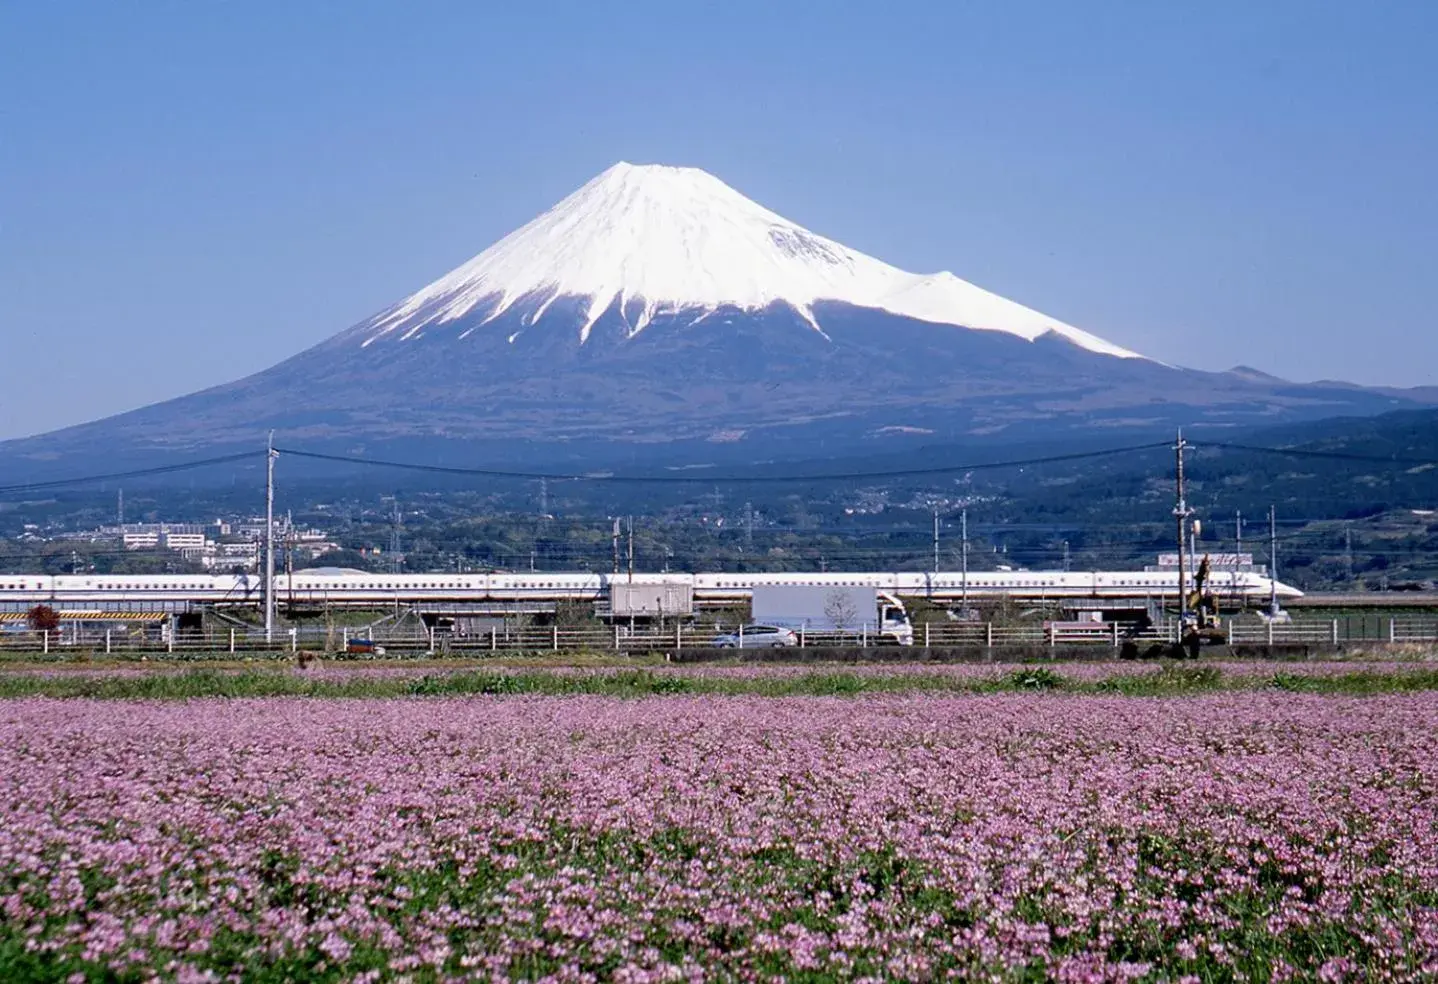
723, 479
705, 479
1331, 455
137, 473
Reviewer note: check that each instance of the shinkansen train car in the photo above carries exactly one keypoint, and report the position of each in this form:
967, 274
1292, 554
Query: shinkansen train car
336, 587
1027, 585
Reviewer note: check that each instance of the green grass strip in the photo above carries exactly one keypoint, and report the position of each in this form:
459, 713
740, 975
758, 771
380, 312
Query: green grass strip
1170, 681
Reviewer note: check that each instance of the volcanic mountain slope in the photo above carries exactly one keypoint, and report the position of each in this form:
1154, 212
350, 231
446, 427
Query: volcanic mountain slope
657, 305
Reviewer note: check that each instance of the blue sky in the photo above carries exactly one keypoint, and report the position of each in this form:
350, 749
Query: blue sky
190, 192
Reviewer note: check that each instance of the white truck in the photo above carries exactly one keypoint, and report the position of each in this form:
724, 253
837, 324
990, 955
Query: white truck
827, 609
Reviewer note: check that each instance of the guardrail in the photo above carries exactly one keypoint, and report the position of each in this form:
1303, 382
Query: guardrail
948, 635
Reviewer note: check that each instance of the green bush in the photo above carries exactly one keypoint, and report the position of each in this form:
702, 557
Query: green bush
1035, 678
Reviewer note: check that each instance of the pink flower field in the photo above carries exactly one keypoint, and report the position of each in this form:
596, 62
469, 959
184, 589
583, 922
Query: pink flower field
1256, 835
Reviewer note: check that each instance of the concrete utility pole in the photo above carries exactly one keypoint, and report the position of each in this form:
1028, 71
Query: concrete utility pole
964, 552
270, 456
615, 543
1348, 550
1238, 532
1066, 556
631, 549
1181, 512
120, 509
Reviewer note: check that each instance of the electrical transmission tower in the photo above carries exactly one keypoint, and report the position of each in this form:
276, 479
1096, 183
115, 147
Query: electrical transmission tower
396, 561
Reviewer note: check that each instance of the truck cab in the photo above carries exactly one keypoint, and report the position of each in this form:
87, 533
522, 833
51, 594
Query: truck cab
894, 626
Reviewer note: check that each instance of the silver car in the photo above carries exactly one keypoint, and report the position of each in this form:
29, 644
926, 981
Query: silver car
757, 637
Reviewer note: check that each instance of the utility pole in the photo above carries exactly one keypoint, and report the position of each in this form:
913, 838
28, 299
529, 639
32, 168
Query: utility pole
748, 526
1181, 512
544, 497
120, 509
615, 543
270, 455
964, 552
1272, 563
1348, 550
1066, 556
936, 539
631, 549
1237, 533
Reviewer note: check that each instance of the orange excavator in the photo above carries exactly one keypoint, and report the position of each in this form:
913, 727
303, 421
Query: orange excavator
1201, 625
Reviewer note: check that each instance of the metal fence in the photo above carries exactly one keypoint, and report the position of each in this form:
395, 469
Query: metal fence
416, 639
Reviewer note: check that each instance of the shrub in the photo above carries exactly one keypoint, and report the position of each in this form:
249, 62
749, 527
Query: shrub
1035, 678
43, 618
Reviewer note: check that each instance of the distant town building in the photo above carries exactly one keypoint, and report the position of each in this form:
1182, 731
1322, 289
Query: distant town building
222, 545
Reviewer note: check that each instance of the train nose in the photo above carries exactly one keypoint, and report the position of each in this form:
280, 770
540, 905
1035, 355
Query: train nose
1286, 590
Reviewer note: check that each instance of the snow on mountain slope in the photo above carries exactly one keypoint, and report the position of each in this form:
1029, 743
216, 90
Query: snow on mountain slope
677, 239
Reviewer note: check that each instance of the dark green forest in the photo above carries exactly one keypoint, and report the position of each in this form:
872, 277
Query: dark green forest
1354, 501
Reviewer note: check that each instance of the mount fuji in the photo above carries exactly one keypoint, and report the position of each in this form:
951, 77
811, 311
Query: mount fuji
658, 307
677, 244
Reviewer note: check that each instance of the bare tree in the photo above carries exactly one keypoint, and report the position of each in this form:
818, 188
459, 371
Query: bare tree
839, 609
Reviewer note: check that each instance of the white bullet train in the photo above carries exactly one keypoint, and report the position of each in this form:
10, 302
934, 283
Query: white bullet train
343, 588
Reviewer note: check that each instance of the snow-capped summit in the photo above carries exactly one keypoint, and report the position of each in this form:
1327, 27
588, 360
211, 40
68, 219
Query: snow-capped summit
676, 241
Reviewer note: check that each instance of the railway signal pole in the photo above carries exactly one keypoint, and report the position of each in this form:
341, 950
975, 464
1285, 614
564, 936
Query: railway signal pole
270, 455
